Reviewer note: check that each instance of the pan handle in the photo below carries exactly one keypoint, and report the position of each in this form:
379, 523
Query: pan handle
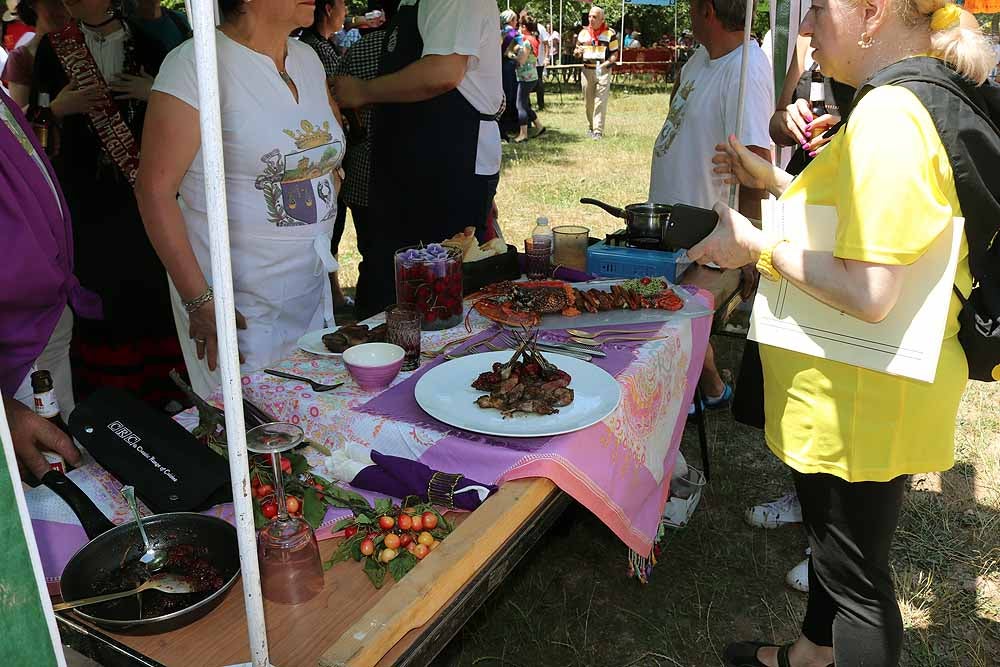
91, 518
613, 210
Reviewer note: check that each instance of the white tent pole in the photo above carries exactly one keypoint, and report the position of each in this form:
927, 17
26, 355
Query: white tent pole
203, 23
562, 37
621, 37
747, 25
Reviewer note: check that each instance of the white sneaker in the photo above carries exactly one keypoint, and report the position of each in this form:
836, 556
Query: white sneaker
781, 512
798, 577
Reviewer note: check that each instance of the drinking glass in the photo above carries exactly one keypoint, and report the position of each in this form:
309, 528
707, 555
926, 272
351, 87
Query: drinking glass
538, 258
402, 322
291, 571
431, 279
569, 246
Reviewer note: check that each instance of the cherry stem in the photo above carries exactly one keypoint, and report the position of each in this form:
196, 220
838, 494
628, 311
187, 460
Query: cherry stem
279, 486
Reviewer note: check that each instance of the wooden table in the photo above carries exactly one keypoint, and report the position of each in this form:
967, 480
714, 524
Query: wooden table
351, 623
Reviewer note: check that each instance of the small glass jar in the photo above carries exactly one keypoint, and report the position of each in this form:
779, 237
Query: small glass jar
430, 278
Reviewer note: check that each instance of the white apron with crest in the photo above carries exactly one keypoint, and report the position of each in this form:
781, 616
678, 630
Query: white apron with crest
281, 157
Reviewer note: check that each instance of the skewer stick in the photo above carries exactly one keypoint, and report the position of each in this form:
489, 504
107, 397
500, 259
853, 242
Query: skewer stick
203, 22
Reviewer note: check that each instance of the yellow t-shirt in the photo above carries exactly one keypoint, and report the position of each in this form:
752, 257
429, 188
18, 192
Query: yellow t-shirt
889, 177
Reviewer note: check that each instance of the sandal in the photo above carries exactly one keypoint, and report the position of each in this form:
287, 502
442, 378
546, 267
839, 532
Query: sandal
744, 654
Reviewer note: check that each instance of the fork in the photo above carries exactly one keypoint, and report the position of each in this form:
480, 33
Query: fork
433, 354
582, 356
464, 353
318, 387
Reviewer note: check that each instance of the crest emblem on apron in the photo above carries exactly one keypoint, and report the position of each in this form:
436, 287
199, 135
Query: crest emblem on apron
393, 39
298, 187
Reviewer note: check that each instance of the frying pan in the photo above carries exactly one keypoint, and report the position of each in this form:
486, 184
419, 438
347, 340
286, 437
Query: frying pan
643, 221
87, 572
676, 227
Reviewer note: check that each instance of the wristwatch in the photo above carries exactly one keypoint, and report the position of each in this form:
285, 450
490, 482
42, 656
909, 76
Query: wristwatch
764, 262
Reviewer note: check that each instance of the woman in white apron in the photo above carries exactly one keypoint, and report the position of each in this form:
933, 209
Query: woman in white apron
283, 146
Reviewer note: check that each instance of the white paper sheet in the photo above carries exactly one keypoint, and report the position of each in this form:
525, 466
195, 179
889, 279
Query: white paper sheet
906, 343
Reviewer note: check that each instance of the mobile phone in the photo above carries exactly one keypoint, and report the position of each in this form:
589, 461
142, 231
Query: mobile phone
688, 226
585, 19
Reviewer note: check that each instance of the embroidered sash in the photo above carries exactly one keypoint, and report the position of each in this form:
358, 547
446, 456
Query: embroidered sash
79, 65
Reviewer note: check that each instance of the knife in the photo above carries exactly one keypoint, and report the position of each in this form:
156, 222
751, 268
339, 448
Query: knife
590, 351
563, 351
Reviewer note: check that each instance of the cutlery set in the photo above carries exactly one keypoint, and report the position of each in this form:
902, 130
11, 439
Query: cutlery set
583, 345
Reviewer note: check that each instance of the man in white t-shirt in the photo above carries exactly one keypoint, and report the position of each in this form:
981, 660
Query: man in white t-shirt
437, 146
703, 111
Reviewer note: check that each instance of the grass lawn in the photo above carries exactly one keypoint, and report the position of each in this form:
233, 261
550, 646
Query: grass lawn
569, 602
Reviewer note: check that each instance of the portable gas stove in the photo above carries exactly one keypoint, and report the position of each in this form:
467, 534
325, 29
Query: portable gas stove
618, 256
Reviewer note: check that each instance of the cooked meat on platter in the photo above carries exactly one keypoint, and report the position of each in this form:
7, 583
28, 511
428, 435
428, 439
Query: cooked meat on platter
524, 303
527, 383
353, 334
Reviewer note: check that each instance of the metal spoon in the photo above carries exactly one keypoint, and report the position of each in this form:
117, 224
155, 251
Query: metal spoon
165, 583
153, 559
597, 343
594, 334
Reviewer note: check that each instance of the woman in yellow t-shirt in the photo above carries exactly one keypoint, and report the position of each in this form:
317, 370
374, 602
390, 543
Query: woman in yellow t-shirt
851, 435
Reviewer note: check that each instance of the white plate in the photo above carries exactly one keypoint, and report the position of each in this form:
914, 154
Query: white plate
445, 393
312, 342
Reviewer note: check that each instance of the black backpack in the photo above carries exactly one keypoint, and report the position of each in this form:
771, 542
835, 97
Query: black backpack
967, 118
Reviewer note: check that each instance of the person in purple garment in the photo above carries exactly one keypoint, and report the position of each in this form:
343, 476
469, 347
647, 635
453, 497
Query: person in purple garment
37, 289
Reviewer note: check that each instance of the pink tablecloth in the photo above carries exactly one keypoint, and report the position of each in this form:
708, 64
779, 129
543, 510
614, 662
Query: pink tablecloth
619, 469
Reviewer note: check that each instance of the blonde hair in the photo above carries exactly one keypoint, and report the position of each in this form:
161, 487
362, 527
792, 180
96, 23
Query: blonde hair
964, 48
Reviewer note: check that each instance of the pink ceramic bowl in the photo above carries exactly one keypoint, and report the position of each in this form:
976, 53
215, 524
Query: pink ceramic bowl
373, 365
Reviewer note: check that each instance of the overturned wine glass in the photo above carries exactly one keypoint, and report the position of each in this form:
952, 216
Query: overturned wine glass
291, 571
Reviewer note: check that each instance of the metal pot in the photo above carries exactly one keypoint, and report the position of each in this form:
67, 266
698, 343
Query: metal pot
110, 545
643, 222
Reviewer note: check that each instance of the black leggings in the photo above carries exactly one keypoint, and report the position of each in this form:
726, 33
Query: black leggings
525, 114
852, 604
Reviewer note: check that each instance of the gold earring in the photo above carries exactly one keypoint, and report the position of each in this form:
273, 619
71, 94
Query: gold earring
866, 41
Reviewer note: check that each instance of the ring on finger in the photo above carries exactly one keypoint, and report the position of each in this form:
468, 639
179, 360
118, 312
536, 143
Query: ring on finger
201, 341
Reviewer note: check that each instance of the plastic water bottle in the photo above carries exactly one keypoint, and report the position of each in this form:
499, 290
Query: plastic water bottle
542, 231
539, 251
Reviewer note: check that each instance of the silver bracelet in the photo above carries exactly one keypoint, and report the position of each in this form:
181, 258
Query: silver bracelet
198, 302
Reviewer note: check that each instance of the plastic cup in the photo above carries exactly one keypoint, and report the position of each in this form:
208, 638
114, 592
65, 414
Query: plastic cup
569, 246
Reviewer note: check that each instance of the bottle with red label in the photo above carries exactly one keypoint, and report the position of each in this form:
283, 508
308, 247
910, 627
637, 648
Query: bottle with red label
46, 406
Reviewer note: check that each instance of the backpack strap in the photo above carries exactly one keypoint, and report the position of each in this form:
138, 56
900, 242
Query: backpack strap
971, 141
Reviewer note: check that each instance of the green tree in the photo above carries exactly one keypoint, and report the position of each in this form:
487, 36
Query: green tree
651, 20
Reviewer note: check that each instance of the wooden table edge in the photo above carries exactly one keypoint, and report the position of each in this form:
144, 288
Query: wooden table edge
414, 601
